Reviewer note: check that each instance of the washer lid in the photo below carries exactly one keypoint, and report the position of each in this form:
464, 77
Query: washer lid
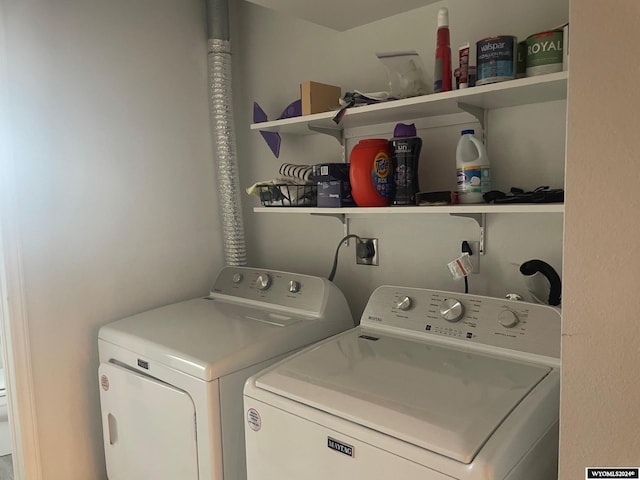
440, 398
211, 338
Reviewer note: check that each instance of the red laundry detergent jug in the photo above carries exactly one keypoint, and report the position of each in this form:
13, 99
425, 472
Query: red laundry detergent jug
371, 173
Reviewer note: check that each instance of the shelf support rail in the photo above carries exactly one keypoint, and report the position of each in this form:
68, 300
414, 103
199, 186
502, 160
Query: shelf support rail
478, 112
337, 133
480, 219
342, 218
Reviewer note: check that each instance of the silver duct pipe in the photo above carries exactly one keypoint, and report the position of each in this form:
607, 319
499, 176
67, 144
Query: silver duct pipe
221, 111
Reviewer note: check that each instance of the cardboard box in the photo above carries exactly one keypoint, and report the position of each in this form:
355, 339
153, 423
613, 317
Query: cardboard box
334, 189
319, 97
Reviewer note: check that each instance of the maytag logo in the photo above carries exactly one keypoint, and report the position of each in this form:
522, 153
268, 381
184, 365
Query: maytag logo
343, 448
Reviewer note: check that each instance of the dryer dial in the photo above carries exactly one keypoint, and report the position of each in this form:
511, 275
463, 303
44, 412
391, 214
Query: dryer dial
294, 286
263, 282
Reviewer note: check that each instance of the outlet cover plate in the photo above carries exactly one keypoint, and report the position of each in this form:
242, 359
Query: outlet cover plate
475, 258
375, 260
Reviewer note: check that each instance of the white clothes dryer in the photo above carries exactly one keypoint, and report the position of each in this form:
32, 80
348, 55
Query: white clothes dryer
171, 378
431, 385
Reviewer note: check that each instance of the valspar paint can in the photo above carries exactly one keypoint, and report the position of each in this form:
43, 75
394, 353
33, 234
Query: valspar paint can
544, 53
496, 59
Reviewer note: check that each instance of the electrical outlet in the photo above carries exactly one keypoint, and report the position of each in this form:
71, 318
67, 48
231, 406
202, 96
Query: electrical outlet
475, 258
362, 252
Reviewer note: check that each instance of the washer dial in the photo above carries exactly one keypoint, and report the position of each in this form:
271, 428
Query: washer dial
507, 319
451, 310
404, 303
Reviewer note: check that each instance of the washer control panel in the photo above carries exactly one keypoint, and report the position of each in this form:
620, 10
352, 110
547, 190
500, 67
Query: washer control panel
511, 324
290, 290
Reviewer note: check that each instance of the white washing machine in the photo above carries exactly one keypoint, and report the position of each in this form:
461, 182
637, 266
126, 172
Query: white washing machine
431, 385
171, 379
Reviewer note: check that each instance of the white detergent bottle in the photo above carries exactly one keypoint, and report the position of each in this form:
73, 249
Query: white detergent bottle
473, 168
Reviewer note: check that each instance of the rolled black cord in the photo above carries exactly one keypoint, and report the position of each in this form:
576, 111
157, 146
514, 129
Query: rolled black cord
555, 283
335, 257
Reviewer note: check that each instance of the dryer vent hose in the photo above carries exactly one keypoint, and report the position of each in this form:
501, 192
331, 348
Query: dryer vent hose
221, 112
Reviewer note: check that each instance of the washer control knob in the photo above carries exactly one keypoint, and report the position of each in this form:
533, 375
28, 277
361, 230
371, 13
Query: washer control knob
294, 286
237, 278
451, 310
405, 303
507, 319
263, 281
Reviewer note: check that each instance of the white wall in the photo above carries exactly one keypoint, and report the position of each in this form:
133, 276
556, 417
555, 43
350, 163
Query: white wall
600, 354
117, 208
274, 53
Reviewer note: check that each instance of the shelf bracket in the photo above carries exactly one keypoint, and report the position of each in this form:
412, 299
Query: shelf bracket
334, 132
477, 112
342, 218
480, 219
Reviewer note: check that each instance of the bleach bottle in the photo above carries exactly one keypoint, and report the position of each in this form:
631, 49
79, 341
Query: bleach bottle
474, 170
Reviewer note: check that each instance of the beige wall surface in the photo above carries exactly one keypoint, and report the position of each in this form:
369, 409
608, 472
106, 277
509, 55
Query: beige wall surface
117, 211
116, 205
600, 348
274, 53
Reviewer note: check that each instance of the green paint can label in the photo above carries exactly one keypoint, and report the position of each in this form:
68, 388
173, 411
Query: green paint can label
544, 53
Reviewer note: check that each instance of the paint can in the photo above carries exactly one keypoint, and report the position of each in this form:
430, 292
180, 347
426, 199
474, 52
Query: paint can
544, 53
521, 62
496, 59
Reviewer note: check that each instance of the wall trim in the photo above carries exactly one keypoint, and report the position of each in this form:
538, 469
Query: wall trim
13, 317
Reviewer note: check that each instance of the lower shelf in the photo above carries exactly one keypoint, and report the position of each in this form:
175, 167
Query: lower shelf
450, 209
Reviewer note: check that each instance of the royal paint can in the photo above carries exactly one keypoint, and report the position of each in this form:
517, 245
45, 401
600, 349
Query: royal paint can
496, 59
544, 53
521, 61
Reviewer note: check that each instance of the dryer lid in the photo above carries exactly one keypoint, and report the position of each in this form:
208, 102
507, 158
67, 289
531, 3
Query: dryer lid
444, 399
210, 338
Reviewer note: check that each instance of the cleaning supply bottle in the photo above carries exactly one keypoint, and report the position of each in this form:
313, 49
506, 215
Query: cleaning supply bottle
442, 73
405, 151
474, 170
371, 173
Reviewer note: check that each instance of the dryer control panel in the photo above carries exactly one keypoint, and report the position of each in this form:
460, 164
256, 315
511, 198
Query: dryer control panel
515, 325
278, 289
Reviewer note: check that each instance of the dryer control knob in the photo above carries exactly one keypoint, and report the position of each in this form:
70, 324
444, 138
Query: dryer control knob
404, 304
294, 286
507, 319
237, 278
451, 310
263, 281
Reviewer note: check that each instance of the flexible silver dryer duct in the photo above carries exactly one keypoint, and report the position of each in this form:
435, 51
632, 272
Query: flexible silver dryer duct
221, 111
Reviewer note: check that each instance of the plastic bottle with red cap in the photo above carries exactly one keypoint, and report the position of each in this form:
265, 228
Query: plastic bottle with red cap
442, 72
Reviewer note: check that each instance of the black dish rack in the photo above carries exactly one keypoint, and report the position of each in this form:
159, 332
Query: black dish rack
288, 195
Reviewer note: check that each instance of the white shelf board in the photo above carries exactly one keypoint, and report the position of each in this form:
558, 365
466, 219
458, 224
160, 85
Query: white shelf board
447, 209
523, 91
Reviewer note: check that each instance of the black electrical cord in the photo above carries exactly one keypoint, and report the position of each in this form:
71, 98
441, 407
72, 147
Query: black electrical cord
335, 258
466, 248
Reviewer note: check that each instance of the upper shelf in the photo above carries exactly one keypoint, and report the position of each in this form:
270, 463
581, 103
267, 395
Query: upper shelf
523, 91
